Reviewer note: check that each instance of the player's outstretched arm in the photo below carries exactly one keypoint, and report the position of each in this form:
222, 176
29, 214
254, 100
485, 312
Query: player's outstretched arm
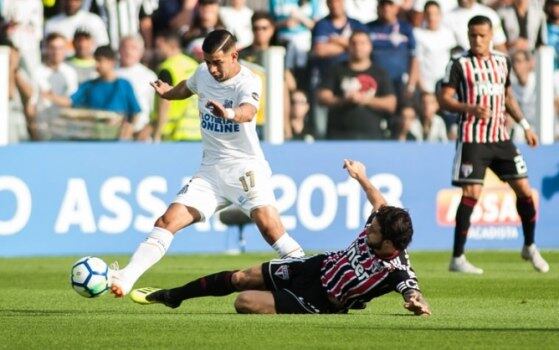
416, 303
168, 92
357, 170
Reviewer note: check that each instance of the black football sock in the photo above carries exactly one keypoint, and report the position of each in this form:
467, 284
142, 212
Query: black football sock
217, 284
527, 212
463, 215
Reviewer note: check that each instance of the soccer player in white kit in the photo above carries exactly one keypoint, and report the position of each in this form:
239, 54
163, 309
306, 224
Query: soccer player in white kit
233, 170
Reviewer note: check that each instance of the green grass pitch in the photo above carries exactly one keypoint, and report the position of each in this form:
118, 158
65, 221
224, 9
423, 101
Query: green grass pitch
509, 307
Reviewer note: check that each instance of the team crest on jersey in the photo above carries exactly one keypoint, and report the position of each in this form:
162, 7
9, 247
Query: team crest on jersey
466, 169
282, 272
228, 104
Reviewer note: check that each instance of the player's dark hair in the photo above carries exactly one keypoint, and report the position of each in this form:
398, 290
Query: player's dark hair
218, 40
480, 20
105, 52
53, 36
431, 3
395, 226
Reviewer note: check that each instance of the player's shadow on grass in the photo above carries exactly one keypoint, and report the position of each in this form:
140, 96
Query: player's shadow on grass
550, 185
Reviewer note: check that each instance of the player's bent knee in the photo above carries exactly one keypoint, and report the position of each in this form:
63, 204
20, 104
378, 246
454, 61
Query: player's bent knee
240, 280
243, 304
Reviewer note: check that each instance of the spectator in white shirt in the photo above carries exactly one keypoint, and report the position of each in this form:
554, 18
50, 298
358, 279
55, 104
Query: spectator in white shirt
457, 21
74, 18
430, 127
524, 25
25, 29
433, 45
56, 77
131, 52
237, 19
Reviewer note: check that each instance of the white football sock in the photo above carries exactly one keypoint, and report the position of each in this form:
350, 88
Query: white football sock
146, 255
287, 247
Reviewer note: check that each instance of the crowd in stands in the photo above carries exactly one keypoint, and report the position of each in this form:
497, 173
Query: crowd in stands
355, 69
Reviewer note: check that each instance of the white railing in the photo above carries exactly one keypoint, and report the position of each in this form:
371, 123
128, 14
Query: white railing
545, 109
4, 81
275, 89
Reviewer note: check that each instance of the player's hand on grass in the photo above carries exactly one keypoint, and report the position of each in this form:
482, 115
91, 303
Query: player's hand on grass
217, 108
355, 169
417, 304
531, 138
160, 87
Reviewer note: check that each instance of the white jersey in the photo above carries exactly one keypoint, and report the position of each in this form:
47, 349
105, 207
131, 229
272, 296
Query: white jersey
223, 139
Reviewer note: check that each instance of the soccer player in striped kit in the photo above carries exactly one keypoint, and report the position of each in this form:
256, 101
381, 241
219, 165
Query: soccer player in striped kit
375, 263
477, 86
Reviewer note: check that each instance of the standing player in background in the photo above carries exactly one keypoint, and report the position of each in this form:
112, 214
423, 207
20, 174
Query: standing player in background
481, 80
376, 263
233, 167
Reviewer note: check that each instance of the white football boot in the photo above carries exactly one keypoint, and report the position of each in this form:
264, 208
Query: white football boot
531, 253
461, 264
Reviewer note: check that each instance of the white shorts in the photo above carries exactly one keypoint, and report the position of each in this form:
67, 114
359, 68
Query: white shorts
244, 183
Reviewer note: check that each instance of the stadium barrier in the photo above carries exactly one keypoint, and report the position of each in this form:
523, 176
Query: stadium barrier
97, 198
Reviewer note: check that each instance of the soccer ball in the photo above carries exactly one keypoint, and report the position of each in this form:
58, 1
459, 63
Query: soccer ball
90, 277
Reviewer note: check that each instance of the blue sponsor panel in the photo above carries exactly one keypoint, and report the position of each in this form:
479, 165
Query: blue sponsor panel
99, 198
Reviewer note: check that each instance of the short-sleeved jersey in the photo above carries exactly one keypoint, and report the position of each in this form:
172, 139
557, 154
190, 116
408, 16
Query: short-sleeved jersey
481, 81
222, 139
357, 274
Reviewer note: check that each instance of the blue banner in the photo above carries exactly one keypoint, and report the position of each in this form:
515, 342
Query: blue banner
101, 198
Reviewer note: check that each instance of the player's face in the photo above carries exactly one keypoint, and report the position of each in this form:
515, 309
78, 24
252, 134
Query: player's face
221, 65
480, 38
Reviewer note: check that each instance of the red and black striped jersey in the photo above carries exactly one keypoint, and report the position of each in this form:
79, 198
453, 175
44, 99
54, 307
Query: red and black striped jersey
357, 274
481, 81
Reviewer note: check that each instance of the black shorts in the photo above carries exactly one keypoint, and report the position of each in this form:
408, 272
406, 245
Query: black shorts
296, 286
471, 160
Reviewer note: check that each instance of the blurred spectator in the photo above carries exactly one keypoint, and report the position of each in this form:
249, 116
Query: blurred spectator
330, 39
430, 126
106, 93
294, 23
394, 48
206, 19
434, 43
55, 77
524, 23
175, 120
299, 111
364, 11
25, 29
523, 83
404, 121
552, 12
263, 30
174, 15
73, 18
237, 20
83, 61
457, 21
21, 125
445, 5
125, 17
359, 95
131, 52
